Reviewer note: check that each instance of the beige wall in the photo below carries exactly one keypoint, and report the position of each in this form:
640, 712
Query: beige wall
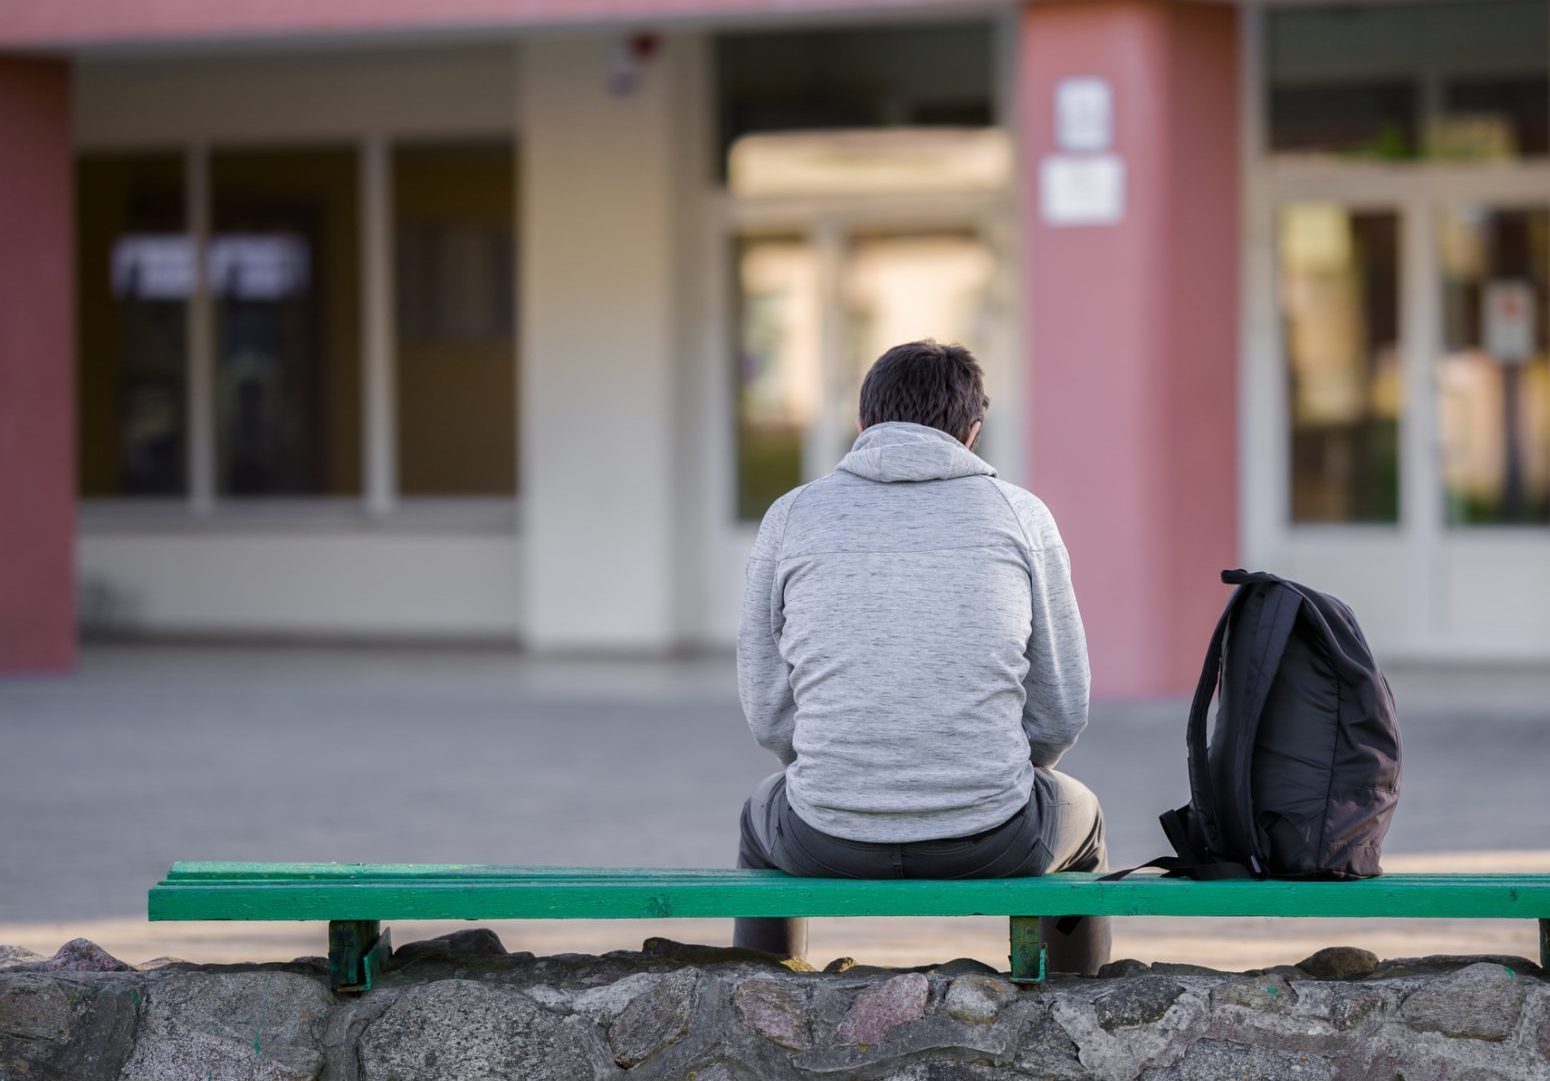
599, 341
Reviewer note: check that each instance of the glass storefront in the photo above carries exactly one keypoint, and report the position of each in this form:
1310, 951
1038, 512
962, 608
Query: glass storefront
282, 272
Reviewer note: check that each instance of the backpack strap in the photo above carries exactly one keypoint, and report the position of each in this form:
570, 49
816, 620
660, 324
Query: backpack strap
1264, 651
1194, 830
1174, 867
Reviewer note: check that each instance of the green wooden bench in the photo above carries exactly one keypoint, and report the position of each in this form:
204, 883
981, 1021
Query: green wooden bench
355, 897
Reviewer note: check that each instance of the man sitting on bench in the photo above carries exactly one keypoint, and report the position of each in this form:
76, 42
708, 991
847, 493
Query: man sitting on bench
911, 651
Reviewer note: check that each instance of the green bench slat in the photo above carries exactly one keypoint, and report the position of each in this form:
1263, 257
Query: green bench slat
236, 891
259, 872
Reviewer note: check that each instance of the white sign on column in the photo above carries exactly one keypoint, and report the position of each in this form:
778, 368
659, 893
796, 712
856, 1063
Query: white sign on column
1083, 183
1084, 114
1082, 189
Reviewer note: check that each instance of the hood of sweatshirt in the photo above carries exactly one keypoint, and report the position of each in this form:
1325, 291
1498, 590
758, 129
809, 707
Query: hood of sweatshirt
899, 451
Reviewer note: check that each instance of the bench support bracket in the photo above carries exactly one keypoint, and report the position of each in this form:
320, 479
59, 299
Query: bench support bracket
357, 950
1030, 955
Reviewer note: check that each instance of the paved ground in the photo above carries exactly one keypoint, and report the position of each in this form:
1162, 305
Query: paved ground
156, 753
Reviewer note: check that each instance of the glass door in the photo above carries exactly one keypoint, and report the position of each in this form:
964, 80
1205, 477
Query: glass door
1338, 296
816, 307
1493, 371
1413, 358
1491, 374
1396, 434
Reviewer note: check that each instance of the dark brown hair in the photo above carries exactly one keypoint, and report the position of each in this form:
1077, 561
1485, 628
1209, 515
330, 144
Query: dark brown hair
928, 383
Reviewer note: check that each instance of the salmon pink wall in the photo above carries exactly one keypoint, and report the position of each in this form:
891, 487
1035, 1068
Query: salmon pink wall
37, 377
1133, 332
56, 23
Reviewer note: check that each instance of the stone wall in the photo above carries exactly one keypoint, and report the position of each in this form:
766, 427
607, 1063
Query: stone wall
463, 1009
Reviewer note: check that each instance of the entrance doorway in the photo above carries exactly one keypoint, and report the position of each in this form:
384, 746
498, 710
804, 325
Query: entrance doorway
816, 308
1397, 421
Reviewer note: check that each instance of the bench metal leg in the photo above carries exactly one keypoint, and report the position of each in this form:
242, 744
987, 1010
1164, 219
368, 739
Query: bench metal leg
1544, 945
357, 950
1030, 955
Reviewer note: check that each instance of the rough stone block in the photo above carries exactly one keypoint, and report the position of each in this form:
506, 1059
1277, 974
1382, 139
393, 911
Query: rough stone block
1138, 1001
54, 1026
84, 955
266, 1025
776, 1010
885, 1006
655, 1019
462, 1030
1481, 1002
1340, 963
978, 999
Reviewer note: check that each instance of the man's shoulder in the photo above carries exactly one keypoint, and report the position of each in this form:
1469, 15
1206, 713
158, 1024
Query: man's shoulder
1038, 524
781, 509
777, 520
804, 495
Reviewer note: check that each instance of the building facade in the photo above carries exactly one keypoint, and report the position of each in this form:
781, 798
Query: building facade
505, 320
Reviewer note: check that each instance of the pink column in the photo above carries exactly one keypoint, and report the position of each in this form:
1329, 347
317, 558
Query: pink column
1133, 331
37, 368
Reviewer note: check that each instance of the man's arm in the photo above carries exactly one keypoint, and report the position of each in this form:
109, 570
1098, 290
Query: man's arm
1058, 680
763, 677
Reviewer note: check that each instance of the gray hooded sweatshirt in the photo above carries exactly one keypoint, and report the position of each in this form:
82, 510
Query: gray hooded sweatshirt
910, 644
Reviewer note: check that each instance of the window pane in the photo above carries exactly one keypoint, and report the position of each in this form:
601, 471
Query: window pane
284, 280
779, 387
878, 77
1360, 119
135, 273
455, 221
904, 287
1494, 117
1494, 376
1339, 297
1453, 81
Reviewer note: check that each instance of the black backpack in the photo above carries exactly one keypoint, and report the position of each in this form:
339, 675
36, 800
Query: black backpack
1301, 776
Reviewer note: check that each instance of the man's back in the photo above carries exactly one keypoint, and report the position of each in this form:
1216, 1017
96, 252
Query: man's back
911, 646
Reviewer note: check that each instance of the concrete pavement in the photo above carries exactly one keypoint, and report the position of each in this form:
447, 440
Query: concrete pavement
153, 753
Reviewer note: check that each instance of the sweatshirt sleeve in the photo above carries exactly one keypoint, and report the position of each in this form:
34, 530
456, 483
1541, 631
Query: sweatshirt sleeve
1058, 680
763, 677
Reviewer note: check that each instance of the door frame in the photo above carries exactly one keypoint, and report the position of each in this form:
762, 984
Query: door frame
1419, 192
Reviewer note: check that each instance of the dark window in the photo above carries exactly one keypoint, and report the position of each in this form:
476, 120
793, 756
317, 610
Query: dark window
284, 279
1448, 81
915, 76
135, 273
454, 225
